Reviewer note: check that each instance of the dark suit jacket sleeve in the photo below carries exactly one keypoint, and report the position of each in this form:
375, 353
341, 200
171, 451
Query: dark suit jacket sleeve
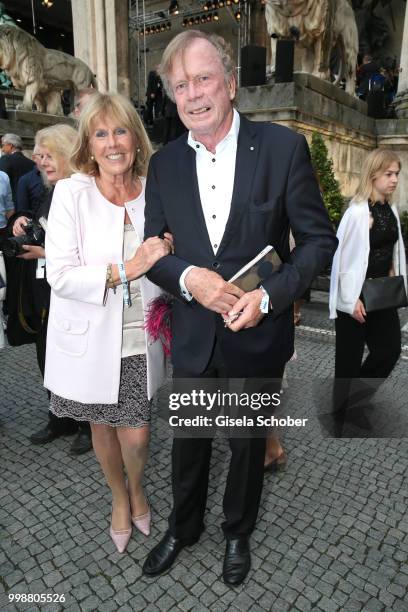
167, 271
23, 201
4, 164
312, 231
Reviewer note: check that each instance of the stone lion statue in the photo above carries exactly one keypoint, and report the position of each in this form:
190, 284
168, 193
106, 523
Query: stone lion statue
42, 73
324, 26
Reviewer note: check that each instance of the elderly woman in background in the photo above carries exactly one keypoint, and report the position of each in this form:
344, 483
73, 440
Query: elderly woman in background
96, 263
53, 147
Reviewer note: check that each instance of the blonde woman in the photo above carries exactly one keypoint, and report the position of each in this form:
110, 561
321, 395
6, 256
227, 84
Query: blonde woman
370, 246
96, 263
53, 147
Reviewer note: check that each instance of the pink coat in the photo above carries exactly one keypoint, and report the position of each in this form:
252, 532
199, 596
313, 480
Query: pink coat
84, 337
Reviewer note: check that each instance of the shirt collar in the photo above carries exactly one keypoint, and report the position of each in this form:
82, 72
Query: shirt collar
231, 136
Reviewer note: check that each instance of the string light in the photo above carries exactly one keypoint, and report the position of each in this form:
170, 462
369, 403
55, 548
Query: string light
200, 19
157, 28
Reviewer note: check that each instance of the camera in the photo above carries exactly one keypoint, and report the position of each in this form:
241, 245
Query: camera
34, 235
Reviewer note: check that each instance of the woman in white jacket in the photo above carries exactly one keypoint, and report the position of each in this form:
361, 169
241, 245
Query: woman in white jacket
97, 351
370, 246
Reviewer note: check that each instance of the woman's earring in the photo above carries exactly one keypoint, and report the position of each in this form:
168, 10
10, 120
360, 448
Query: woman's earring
138, 150
92, 158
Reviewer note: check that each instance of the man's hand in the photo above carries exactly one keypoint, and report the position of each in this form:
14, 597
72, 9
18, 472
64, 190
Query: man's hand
19, 224
211, 290
249, 307
33, 252
359, 312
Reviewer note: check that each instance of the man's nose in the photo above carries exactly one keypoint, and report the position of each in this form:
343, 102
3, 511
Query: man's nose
193, 90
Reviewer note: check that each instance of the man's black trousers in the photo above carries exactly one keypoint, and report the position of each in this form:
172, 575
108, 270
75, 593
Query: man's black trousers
191, 467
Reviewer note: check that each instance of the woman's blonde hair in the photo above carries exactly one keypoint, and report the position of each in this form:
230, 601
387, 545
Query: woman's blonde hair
120, 109
377, 162
59, 139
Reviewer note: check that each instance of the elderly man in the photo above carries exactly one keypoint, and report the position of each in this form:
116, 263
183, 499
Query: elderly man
13, 162
31, 187
81, 99
226, 190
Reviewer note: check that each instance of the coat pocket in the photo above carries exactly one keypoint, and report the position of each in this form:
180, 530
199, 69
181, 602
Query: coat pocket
71, 336
347, 281
265, 207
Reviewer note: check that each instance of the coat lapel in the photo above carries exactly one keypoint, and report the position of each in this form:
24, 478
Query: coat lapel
246, 160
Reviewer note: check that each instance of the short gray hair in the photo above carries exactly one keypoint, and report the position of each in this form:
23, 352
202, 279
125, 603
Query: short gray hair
181, 42
14, 140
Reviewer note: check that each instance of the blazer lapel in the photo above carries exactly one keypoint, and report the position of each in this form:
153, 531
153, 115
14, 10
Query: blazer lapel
193, 210
246, 160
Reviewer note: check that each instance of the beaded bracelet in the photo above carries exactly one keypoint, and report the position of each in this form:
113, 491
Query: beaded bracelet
109, 278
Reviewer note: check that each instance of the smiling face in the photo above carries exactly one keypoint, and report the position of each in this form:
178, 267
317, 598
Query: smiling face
386, 183
203, 97
113, 147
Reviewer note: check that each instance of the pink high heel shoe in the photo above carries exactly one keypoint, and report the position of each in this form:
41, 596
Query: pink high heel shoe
120, 538
142, 522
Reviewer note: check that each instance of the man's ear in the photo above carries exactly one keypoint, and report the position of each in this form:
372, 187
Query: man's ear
232, 86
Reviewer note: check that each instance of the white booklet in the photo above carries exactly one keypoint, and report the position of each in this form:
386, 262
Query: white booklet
259, 268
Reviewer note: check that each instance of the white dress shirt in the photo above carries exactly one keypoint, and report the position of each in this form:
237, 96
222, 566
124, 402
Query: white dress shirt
215, 175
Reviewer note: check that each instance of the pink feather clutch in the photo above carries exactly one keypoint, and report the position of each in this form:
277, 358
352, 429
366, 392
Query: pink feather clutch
158, 320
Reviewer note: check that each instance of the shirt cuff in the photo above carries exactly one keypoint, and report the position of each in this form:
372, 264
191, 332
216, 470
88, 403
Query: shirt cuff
184, 291
266, 304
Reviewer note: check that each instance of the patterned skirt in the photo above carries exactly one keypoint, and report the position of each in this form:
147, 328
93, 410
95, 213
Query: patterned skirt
132, 409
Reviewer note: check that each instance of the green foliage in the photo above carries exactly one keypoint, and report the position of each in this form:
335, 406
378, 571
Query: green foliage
404, 226
329, 185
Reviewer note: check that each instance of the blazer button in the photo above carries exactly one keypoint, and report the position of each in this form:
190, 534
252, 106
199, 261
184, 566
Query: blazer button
216, 265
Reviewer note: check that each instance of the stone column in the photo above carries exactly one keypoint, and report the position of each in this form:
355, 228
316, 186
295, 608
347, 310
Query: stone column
401, 100
83, 15
117, 32
101, 40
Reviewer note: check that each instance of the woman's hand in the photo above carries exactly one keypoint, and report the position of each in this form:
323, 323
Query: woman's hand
18, 227
33, 252
359, 312
169, 238
149, 252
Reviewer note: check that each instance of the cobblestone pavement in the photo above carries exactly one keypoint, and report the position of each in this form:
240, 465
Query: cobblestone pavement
332, 532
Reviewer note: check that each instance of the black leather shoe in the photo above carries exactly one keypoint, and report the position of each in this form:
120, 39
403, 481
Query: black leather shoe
82, 443
44, 435
48, 434
237, 561
162, 557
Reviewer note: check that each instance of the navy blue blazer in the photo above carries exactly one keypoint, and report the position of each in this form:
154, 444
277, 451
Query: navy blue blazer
275, 190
